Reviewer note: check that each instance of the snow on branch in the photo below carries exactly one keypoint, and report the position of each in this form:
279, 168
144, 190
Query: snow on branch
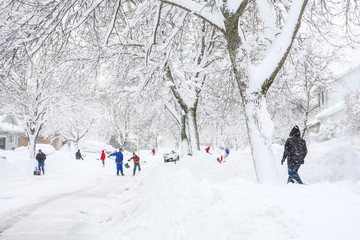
173, 113
156, 26
84, 16
112, 24
200, 10
268, 19
279, 49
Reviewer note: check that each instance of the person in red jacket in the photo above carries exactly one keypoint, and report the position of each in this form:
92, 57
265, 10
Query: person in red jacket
153, 151
136, 160
207, 149
103, 157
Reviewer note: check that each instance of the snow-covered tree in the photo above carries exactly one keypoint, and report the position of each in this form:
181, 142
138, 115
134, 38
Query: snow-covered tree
293, 99
258, 36
257, 49
220, 112
37, 87
75, 117
28, 25
30, 98
352, 102
186, 71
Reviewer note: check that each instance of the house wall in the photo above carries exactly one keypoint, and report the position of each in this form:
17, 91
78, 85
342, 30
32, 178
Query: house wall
11, 140
348, 82
332, 99
56, 143
9, 132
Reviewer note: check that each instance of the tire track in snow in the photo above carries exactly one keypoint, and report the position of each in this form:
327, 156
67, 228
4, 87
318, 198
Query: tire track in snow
19, 214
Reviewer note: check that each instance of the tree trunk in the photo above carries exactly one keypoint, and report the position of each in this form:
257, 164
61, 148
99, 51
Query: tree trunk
32, 145
258, 122
193, 133
32, 133
260, 128
184, 142
76, 143
188, 127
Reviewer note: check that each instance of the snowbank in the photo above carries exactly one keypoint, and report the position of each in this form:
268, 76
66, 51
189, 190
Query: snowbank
95, 147
198, 198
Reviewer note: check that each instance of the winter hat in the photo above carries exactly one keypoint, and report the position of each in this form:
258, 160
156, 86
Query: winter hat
295, 131
120, 149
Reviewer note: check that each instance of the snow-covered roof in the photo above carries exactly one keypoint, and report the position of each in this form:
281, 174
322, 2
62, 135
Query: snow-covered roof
331, 110
327, 113
9, 119
7, 127
338, 77
348, 72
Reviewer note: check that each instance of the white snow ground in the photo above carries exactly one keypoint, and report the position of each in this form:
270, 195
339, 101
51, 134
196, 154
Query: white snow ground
197, 198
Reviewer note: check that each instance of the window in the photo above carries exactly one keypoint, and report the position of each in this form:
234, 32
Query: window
322, 99
2, 143
11, 138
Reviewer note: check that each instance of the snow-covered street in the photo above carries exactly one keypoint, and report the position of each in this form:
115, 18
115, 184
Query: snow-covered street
54, 205
197, 198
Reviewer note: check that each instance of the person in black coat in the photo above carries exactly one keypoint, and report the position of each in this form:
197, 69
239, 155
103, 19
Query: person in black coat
295, 151
78, 155
40, 157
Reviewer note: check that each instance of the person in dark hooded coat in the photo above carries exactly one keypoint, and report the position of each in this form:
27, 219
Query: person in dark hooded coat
78, 155
295, 151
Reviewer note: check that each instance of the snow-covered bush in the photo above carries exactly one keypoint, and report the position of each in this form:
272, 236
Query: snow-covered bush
352, 103
330, 130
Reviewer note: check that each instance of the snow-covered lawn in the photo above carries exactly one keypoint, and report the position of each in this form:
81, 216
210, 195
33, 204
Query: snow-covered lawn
197, 198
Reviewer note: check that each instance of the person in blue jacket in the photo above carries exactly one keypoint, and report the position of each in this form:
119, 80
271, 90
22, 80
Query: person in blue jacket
119, 157
227, 152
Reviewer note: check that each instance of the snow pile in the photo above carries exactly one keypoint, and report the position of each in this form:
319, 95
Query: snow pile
333, 160
198, 198
95, 147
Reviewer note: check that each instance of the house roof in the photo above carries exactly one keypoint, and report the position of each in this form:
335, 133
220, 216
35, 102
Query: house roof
328, 112
331, 110
353, 69
8, 127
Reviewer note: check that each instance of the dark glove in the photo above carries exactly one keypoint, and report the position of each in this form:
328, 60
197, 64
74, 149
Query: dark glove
282, 161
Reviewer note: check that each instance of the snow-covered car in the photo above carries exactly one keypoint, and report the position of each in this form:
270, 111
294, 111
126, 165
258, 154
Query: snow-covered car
171, 157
